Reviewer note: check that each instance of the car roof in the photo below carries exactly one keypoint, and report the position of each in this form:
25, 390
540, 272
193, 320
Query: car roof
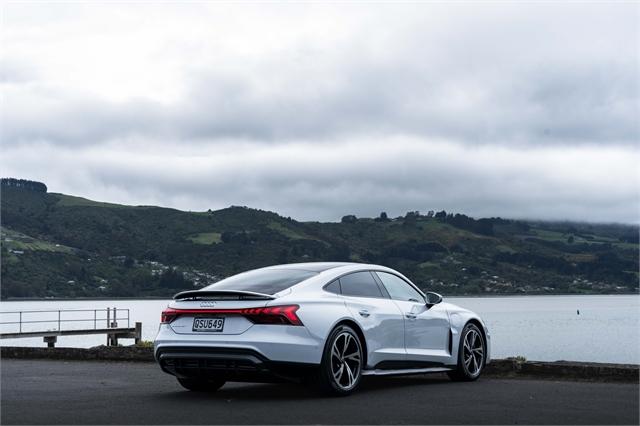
312, 266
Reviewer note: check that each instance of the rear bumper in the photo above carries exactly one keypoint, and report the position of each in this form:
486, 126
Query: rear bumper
228, 363
273, 342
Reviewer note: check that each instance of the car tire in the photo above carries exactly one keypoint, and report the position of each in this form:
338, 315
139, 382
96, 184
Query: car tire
201, 385
472, 352
341, 367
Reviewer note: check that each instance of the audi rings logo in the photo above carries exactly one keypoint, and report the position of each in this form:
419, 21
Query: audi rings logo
207, 304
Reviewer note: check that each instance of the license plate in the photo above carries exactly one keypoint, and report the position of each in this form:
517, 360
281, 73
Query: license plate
208, 324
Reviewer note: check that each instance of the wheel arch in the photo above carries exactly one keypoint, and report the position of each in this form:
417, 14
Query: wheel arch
478, 324
354, 325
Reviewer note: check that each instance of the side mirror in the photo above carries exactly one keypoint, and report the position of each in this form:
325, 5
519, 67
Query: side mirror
433, 298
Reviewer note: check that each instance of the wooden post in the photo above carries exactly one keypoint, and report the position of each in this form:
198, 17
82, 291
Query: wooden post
50, 341
138, 333
108, 325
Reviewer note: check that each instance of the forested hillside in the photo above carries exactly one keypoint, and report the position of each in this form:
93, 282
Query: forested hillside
56, 245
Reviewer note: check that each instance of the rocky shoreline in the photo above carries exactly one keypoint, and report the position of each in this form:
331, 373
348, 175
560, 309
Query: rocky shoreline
510, 367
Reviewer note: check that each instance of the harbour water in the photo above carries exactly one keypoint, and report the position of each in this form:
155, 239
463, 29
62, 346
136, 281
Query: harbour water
600, 328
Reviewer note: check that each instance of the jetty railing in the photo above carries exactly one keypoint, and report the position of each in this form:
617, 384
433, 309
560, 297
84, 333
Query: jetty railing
97, 321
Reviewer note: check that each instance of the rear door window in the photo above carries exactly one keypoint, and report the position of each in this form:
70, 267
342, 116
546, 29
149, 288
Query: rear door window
360, 284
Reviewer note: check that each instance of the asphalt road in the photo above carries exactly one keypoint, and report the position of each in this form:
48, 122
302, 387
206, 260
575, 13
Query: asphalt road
83, 392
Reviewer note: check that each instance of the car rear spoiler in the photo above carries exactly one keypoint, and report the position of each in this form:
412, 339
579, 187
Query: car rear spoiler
221, 295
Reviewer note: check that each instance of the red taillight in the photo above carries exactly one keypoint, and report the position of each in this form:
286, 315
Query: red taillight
168, 315
273, 315
285, 314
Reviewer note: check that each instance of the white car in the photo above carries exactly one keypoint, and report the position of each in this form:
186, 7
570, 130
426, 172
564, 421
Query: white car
328, 322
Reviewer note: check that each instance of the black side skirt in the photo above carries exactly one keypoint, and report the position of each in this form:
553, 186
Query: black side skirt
407, 365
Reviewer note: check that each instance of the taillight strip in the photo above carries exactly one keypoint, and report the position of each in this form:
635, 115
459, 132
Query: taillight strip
283, 314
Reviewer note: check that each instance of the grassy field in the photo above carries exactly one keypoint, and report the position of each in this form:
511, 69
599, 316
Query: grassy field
582, 238
13, 240
70, 200
289, 232
206, 238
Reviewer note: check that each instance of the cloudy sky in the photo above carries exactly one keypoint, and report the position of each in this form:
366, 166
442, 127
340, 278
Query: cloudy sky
317, 110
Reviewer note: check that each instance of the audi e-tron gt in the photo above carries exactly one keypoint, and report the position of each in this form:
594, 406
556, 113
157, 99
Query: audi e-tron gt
327, 323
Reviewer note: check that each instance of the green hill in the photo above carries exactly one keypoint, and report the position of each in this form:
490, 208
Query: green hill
56, 245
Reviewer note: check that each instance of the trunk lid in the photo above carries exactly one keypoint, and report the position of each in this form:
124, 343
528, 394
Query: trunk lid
215, 305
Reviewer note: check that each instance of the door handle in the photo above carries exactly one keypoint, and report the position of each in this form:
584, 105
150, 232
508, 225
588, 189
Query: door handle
411, 316
364, 313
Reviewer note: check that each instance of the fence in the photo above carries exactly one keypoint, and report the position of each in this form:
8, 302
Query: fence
23, 322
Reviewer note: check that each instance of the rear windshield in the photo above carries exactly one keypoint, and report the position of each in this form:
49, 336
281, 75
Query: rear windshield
266, 281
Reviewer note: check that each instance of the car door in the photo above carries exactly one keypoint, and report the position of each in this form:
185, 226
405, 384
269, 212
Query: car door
379, 317
426, 328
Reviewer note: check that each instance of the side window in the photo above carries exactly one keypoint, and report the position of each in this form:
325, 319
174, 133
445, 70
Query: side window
399, 289
333, 287
360, 284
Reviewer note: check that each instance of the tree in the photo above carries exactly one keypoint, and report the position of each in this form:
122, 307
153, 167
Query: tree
226, 236
172, 279
441, 215
283, 256
24, 184
350, 218
410, 218
383, 217
631, 237
235, 237
570, 239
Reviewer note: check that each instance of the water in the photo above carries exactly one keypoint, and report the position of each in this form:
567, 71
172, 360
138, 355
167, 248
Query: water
544, 328
548, 328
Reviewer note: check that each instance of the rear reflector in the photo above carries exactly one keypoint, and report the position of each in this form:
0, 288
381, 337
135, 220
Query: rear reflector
284, 315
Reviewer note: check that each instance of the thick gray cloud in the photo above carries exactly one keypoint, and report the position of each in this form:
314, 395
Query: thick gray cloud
575, 104
321, 110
